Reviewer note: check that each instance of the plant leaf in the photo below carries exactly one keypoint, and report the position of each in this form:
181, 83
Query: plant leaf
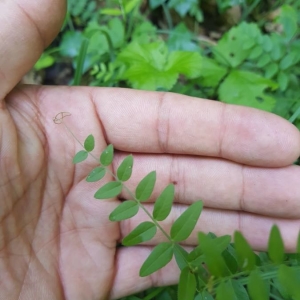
276, 246
181, 256
89, 143
142, 233
257, 287
245, 255
96, 174
163, 204
80, 156
225, 291
125, 169
185, 224
213, 258
247, 88
145, 187
109, 190
160, 256
125, 210
290, 281
187, 285
107, 155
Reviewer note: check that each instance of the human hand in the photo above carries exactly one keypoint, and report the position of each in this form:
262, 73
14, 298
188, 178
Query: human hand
56, 241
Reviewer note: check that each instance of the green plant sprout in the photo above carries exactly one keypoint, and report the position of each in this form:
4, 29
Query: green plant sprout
216, 268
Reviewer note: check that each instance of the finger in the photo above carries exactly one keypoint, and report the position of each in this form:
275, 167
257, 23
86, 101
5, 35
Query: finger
255, 228
220, 183
141, 121
27, 27
128, 263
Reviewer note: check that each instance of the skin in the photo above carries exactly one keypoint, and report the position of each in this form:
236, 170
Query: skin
55, 239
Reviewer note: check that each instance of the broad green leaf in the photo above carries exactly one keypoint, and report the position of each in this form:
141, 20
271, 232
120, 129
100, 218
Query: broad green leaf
185, 63
107, 155
181, 256
257, 287
125, 169
187, 285
256, 52
225, 291
109, 190
89, 143
204, 296
276, 246
230, 51
125, 210
163, 204
230, 261
247, 88
130, 5
180, 38
185, 224
145, 187
80, 156
142, 233
70, 43
146, 66
96, 174
182, 7
213, 258
160, 256
290, 281
245, 255
288, 18
211, 72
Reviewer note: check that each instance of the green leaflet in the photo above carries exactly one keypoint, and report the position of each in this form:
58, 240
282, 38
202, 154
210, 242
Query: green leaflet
109, 190
290, 281
160, 256
125, 210
163, 204
96, 174
107, 155
245, 255
213, 258
181, 256
89, 143
185, 224
187, 285
124, 171
142, 233
145, 187
80, 156
256, 287
276, 246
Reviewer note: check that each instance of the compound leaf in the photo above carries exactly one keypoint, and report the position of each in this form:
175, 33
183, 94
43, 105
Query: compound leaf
160, 256
124, 171
125, 210
245, 255
276, 246
142, 233
107, 155
163, 204
109, 190
96, 174
80, 156
187, 285
145, 187
185, 224
89, 143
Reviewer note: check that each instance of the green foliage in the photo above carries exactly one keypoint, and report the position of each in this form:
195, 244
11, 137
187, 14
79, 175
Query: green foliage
216, 268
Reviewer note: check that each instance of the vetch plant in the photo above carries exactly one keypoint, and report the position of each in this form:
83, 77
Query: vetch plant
216, 268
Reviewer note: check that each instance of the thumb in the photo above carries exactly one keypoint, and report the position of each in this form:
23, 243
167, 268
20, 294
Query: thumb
27, 27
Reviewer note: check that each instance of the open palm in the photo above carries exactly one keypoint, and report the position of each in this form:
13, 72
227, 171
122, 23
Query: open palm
56, 241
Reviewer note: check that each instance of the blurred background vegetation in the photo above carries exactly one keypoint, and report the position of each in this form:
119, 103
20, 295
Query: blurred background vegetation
244, 52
